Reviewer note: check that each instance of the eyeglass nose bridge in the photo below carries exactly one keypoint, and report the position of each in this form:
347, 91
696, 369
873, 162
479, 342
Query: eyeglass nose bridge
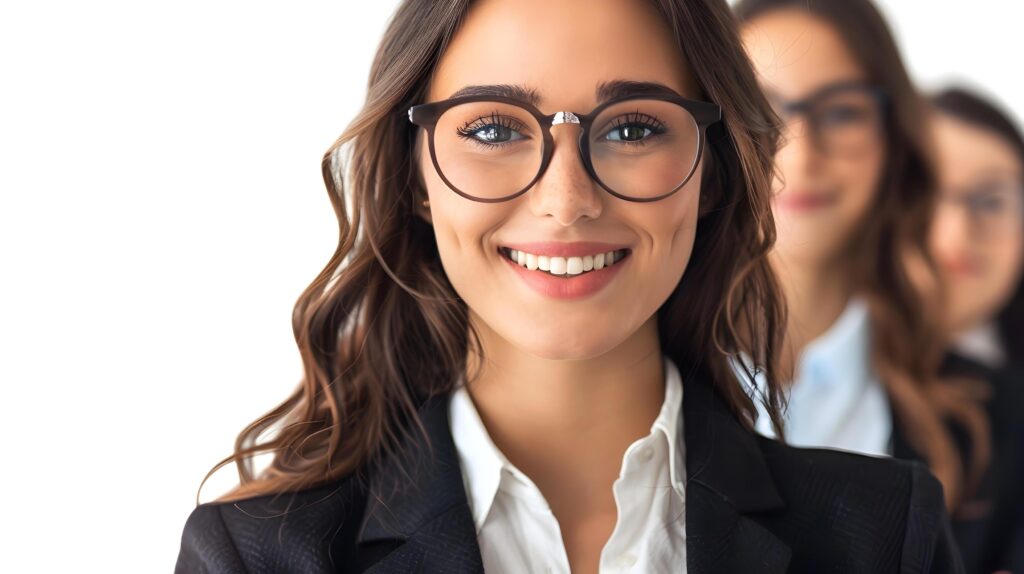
564, 118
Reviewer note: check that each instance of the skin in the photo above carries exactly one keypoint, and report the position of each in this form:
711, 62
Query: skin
583, 378
795, 54
982, 267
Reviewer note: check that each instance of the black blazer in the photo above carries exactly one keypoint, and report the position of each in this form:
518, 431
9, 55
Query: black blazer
990, 530
753, 505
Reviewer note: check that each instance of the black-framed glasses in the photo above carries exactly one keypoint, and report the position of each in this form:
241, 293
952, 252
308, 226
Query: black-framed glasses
994, 205
845, 118
491, 148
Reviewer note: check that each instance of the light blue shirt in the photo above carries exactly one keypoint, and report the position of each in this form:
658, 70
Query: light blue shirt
836, 401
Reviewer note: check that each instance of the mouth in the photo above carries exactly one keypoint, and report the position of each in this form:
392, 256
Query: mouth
564, 267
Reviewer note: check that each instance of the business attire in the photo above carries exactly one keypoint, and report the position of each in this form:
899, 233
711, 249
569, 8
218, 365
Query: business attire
837, 401
989, 525
751, 504
518, 532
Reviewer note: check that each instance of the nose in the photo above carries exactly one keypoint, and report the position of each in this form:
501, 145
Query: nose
951, 229
798, 153
566, 191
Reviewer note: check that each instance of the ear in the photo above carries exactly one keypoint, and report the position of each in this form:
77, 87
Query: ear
420, 202
710, 185
421, 206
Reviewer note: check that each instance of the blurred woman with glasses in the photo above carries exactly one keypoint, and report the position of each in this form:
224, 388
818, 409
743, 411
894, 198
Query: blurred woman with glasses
978, 241
553, 238
855, 192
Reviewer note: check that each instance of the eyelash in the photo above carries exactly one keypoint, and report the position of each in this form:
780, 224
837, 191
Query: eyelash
640, 119
637, 118
495, 119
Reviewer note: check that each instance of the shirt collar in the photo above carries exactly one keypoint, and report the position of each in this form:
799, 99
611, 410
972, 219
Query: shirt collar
841, 354
983, 345
483, 463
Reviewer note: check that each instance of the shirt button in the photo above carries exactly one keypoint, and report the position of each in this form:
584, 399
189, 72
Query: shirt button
646, 454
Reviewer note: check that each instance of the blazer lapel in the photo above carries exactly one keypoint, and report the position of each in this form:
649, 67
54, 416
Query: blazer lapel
417, 515
727, 479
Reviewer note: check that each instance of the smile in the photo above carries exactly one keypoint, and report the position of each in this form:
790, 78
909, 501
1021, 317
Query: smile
564, 267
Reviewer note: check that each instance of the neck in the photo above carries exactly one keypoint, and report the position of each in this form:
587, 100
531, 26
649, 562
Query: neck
585, 412
816, 296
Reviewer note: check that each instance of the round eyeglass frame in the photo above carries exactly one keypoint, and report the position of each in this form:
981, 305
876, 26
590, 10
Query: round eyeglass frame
426, 116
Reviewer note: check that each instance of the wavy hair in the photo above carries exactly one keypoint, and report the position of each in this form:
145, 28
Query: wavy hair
897, 274
381, 329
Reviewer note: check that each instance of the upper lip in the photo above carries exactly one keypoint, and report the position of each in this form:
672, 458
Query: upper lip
558, 249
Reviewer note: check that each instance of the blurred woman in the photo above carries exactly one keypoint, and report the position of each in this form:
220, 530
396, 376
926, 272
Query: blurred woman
978, 241
854, 198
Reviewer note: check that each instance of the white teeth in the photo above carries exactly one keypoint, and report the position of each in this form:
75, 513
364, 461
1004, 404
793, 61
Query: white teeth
558, 266
574, 265
564, 266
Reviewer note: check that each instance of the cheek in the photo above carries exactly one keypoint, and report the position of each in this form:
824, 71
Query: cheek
858, 179
1005, 262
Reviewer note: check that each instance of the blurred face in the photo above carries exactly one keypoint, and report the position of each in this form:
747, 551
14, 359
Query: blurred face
565, 270
832, 155
978, 234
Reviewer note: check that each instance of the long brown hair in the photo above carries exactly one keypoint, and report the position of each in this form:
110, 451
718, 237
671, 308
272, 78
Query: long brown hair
906, 341
381, 328
973, 108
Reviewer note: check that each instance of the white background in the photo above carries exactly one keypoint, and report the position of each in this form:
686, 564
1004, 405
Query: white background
161, 209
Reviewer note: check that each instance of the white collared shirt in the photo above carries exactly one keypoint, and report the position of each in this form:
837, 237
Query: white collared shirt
982, 344
836, 400
516, 530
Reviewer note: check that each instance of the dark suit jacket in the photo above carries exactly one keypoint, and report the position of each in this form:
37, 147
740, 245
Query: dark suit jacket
990, 530
753, 505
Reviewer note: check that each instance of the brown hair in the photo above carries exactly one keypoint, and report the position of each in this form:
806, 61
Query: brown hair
906, 343
381, 328
974, 109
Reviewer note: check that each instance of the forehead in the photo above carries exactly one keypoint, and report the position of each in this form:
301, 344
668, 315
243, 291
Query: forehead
967, 151
796, 53
561, 49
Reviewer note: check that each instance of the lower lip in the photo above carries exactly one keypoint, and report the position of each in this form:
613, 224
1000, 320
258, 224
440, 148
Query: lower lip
805, 203
572, 287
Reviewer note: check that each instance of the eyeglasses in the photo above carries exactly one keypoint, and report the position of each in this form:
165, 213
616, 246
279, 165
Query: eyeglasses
993, 206
490, 148
844, 118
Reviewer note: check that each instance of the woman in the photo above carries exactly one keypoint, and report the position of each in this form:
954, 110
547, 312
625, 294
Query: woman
855, 197
978, 241
518, 359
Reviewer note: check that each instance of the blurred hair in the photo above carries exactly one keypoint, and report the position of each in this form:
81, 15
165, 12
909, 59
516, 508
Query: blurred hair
968, 106
907, 345
381, 328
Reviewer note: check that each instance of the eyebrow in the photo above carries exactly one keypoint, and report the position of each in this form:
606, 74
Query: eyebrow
605, 91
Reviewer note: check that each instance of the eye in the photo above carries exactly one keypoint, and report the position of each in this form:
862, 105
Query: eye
634, 128
492, 131
839, 115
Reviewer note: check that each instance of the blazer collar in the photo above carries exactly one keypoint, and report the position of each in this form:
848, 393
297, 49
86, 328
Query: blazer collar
727, 480
417, 504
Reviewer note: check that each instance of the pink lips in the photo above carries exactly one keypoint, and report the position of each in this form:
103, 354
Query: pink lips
804, 202
567, 287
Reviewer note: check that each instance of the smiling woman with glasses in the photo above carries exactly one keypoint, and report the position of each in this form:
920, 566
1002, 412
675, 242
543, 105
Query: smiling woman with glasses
554, 227
978, 241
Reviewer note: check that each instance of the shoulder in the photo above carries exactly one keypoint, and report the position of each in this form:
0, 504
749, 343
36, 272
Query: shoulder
309, 531
894, 507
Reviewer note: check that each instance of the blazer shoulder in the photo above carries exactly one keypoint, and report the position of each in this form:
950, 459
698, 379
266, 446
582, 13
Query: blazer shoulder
311, 530
895, 506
